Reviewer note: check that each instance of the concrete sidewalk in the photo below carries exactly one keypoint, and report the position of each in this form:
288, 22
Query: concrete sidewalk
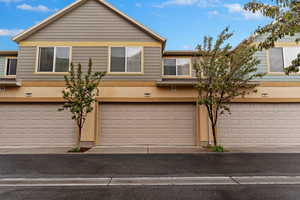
145, 150
34, 150
184, 150
103, 150
265, 149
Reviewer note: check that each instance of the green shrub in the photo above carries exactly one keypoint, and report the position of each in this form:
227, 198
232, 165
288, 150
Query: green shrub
218, 149
75, 150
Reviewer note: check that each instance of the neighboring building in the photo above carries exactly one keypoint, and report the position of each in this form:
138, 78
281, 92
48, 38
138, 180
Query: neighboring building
147, 97
8, 68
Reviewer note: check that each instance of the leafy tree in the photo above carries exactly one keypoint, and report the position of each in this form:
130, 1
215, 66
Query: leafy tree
80, 94
224, 73
286, 22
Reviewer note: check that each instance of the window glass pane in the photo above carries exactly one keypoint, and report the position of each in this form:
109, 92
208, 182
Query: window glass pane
183, 67
169, 66
62, 61
290, 54
276, 60
134, 59
117, 59
11, 66
46, 59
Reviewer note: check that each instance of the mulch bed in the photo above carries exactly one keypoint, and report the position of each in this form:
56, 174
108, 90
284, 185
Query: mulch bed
82, 150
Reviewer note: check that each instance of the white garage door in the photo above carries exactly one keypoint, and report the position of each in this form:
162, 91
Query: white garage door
261, 124
35, 125
160, 124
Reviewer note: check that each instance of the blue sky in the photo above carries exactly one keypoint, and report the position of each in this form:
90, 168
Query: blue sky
183, 22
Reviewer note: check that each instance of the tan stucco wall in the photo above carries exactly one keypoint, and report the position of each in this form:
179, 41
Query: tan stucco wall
105, 92
139, 92
132, 94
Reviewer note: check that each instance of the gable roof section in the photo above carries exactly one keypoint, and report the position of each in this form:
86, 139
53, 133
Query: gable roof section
77, 4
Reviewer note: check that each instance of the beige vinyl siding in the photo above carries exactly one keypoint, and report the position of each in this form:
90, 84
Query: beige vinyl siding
264, 63
261, 124
261, 38
91, 22
162, 124
27, 124
26, 64
99, 55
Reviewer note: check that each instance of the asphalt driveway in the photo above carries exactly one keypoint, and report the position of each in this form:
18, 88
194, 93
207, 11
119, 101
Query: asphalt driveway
156, 165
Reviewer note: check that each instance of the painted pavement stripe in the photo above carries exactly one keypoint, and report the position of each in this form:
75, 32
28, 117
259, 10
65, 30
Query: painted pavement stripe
272, 180
235, 180
173, 181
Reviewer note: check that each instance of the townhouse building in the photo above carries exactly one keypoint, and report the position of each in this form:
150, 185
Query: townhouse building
147, 97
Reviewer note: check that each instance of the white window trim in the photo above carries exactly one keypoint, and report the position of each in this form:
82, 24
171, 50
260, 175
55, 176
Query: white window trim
179, 76
54, 59
285, 56
5, 66
126, 72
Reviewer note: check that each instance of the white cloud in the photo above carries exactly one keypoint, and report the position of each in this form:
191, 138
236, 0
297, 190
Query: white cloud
237, 8
38, 8
138, 5
200, 3
213, 12
10, 32
187, 47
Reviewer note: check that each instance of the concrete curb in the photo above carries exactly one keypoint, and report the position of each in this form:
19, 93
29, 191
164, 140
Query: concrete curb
150, 181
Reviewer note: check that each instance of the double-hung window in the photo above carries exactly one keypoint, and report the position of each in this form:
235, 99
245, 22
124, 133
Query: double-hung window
11, 66
126, 59
54, 59
177, 67
282, 57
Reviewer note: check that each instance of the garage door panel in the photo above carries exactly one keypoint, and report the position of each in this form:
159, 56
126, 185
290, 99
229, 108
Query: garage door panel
150, 115
128, 107
261, 124
25, 124
53, 132
252, 142
155, 130
265, 116
267, 124
147, 124
132, 140
148, 132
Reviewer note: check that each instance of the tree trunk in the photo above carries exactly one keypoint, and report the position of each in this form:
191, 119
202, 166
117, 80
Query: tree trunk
214, 131
79, 137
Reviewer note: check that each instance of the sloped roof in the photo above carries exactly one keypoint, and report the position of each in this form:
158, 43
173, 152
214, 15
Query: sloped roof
182, 53
8, 53
76, 4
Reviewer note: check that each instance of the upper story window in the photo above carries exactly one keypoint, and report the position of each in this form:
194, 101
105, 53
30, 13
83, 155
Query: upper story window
54, 59
11, 66
177, 67
281, 57
126, 59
